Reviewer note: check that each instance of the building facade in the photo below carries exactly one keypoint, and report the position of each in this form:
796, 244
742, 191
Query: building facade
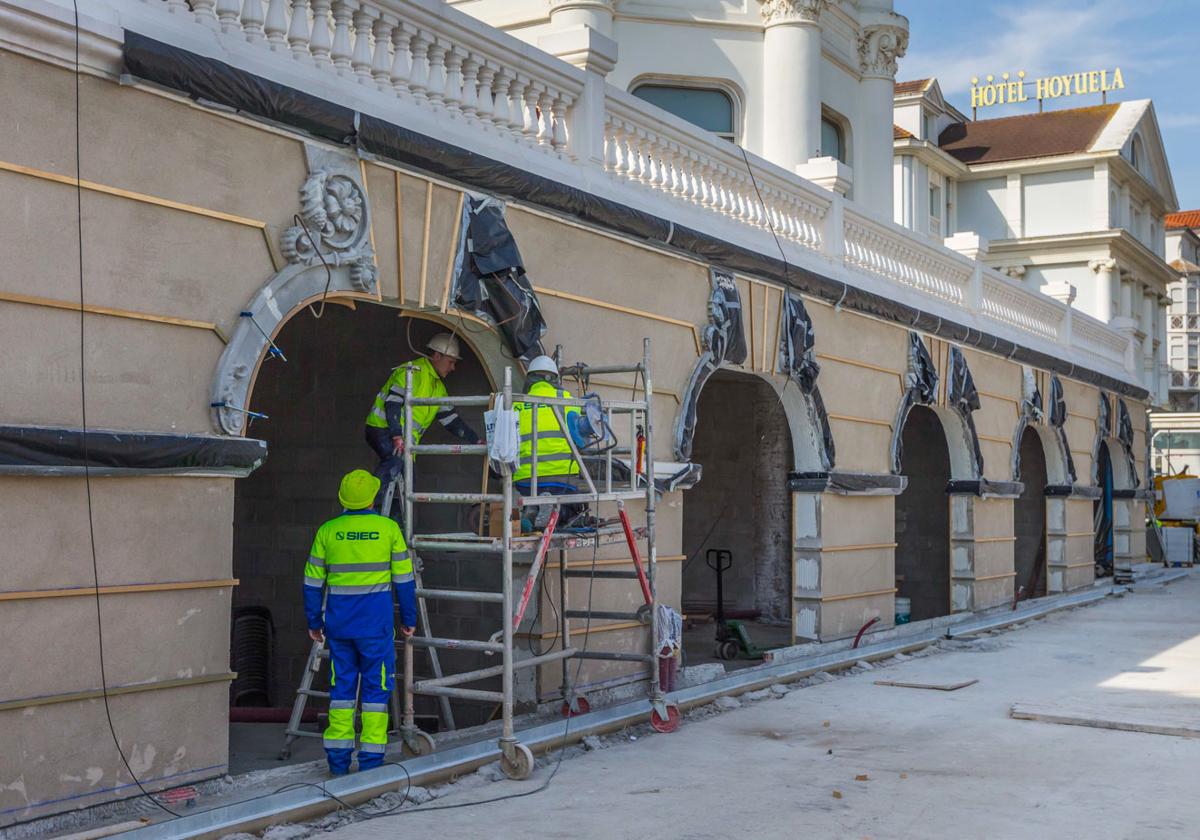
1183, 328
1070, 202
916, 423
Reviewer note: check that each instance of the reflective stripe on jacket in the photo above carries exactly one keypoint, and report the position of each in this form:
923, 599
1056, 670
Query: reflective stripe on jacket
553, 452
426, 384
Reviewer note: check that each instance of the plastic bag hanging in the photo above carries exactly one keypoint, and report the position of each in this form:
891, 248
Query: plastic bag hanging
502, 427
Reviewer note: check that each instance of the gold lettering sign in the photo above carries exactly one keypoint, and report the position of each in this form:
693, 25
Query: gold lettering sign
1007, 90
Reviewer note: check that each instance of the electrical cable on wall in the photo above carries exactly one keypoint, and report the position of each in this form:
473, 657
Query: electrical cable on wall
87, 475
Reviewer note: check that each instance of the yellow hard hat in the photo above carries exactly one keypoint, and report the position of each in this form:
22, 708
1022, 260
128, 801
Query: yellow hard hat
358, 490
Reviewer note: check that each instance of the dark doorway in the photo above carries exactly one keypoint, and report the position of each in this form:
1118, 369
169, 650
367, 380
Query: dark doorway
1029, 520
741, 504
923, 517
1102, 512
317, 403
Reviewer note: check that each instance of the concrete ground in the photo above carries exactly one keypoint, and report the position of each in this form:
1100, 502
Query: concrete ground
848, 758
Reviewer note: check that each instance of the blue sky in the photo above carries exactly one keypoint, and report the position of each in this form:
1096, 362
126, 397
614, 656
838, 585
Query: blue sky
1154, 42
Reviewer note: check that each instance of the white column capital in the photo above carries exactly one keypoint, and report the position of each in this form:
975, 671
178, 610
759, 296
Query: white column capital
600, 5
879, 46
776, 12
1104, 264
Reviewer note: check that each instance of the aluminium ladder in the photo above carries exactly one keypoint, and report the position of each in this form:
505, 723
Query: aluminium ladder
516, 758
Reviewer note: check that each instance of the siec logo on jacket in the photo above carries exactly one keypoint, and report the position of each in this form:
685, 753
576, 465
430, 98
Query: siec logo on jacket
357, 535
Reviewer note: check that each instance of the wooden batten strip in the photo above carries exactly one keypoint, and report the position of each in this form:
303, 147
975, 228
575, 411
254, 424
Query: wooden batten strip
864, 365
399, 239
615, 561
995, 539
849, 418
92, 186
579, 631
854, 595
997, 396
604, 383
627, 310
995, 439
1078, 565
118, 589
116, 691
863, 547
425, 243
1000, 576
1079, 533
32, 300
362, 170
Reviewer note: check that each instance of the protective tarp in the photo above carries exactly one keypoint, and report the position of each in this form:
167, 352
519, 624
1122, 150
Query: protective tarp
859, 484
490, 282
798, 359
1058, 422
215, 81
984, 487
40, 450
920, 388
219, 83
1125, 435
964, 399
724, 341
1104, 418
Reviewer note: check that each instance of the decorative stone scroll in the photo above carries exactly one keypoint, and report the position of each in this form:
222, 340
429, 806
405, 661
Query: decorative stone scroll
792, 11
337, 215
879, 47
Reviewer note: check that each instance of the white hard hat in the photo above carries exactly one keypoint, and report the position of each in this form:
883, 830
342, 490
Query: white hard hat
543, 364
446, 344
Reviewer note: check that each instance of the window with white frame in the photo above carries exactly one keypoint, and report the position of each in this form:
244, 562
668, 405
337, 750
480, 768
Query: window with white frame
710, 108
1177, 307
1193, 356
1176, 355
1193, 296
833, 139
935, 209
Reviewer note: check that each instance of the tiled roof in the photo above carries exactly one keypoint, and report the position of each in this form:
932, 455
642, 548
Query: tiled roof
1183, 219
899, 133
914, 86
1027, 135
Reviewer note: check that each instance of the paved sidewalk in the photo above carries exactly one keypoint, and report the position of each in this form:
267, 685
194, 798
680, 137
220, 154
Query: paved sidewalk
937, 764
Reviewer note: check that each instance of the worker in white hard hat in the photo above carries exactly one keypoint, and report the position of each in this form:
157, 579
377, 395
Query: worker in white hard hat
557, 468
385, 423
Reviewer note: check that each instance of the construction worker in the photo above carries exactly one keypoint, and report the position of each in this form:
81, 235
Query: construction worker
556, 466
385, 423
356, 560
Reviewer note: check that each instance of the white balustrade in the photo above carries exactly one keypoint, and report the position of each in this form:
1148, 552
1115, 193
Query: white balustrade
426, 55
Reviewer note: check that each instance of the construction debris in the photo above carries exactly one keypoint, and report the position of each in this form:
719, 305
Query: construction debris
954, 686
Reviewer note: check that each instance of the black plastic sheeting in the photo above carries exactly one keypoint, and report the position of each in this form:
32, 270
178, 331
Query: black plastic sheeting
724, 342
215, 81
798, 359
491, 281
921, 384
1058, 421
883, 484
964, 399
30, 450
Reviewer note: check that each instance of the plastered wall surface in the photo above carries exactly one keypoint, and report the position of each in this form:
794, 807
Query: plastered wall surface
601, 296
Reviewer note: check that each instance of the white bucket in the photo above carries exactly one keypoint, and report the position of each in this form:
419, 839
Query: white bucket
903, 610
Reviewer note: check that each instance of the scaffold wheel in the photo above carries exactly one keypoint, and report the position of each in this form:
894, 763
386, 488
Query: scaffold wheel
417, 744
670, 724
582, 707
520, 765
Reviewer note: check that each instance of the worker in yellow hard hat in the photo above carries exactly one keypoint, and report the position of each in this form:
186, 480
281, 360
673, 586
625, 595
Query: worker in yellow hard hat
356, 561
385, 423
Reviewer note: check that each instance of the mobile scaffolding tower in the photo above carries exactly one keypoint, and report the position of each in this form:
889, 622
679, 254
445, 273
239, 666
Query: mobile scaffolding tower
516, 758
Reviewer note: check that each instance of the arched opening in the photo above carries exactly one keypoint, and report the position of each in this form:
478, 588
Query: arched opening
922, 517
1029, 519
741, 505
316, 403
1102, 511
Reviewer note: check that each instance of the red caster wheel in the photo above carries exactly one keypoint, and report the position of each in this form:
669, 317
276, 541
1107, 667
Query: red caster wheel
670, 724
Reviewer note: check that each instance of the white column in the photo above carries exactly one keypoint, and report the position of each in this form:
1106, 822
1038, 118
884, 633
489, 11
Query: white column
792, 81
598, 14
880, 43
1014, 206
1105, 270
1161, 330
1126, 310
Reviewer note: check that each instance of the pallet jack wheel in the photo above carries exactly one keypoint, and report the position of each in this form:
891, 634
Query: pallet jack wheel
285, 753
418, 744
521, 764
668, 725
582, 707
728, 650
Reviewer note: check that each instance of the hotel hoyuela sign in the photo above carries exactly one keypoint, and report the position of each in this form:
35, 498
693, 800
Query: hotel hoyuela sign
1010, 89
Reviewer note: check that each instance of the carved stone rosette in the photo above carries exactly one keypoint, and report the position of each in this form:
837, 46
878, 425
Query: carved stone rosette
878, 48
792, 11
336, 215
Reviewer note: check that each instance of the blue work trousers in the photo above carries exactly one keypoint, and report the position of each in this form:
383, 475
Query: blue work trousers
361, 671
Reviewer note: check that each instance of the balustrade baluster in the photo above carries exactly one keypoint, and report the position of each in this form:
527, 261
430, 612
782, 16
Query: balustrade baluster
487, 104
402, 64
252, 20
454, 79
320, 44
361, 58
530, 91
691, 187
637, 154
227, 15
381, 63
470, 86
277, 24
436, 90
610, 146
297, 35
419, 80
204, 12
560, 108
340, 52
545, 127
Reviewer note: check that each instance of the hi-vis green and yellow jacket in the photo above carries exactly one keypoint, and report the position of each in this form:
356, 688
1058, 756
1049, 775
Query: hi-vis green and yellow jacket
551, 448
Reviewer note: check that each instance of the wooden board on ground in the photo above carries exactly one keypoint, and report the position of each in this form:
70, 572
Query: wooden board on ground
955, 686
1153, 721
